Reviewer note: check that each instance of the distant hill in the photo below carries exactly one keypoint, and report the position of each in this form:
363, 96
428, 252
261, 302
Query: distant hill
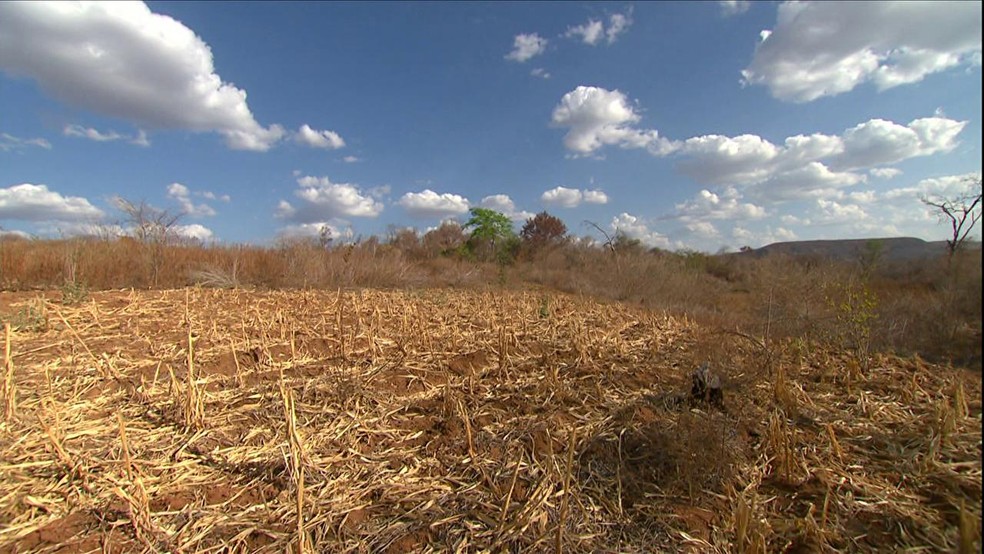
899, 249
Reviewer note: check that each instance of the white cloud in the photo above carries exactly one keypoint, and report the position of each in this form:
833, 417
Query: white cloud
328, 140
862, 196
563, 197
595, 197
806, 166
596, 117
28, 202
351, 159
703, 229
193, 231
571, 198
526, 46
618, 23
10, 142
756, 239
90, 133
832, 212
430, 204
181, 194
726, 205
949, 185
503, 204
140, 139
811, 179
636, 228
15, 233
734, 7
212, 196
880, 142
827, 48
339, 230
540, 72
738, 160
382, 191
803, 166
590, 32
122, 60
594, 30
321, 200
884, 172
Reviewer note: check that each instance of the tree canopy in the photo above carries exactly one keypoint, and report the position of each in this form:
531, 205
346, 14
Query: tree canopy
543, 229
490, 232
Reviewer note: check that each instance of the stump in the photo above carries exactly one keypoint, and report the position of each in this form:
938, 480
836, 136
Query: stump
706, 387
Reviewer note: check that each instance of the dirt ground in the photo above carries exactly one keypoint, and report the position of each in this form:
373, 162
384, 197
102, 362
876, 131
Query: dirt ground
199, 420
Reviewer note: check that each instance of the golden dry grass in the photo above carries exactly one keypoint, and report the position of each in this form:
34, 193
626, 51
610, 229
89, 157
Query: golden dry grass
362, 421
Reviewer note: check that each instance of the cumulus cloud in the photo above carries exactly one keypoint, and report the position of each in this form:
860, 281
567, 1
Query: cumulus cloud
636, 228
884, 172
805, 166
880, 142
29, 202
503, 204
572, 198
734, 7
429, 204
328, 140
339, 230
827, 48
540, 72
140, 139
726, 205
703, 229
9, 143
596, 117
122, 60
949, 186
802, 166
351, 159
720, 159
182, 195
320, 200
526, 46
830, 212
193, 231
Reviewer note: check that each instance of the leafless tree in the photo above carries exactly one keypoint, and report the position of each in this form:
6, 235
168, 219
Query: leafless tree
154, 228
963, 211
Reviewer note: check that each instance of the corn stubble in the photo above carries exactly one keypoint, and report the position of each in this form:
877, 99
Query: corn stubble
363, 421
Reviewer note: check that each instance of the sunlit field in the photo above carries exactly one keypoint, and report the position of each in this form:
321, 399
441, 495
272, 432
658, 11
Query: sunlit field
496, 413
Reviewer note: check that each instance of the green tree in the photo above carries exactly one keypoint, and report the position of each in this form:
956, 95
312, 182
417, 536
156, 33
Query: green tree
491, 231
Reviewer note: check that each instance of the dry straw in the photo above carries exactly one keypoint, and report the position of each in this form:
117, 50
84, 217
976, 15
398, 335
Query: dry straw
8, 394
454, 421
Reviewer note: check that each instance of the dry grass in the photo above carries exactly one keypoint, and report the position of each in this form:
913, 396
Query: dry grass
442, 420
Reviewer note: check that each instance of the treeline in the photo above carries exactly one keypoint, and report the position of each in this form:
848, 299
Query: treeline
931, 307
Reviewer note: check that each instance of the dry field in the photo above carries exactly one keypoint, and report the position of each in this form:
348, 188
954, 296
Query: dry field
199, 420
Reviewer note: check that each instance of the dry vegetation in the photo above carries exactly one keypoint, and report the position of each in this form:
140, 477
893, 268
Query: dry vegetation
451, 405
200, 420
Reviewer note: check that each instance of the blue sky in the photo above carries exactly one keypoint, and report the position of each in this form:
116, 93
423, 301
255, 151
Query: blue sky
687, 125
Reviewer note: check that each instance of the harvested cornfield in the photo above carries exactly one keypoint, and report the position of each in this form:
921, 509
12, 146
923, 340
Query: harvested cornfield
365, 421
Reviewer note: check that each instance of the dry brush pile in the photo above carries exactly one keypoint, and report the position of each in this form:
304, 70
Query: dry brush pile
363, 421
